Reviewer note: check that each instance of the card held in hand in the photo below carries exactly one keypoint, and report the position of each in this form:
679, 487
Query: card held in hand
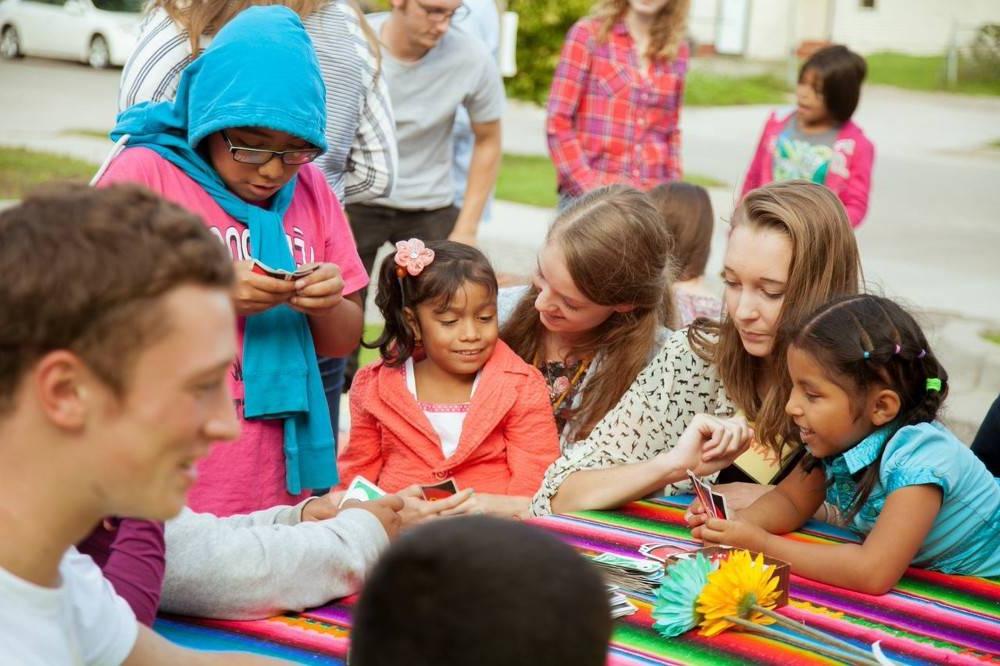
362, 490
438, 491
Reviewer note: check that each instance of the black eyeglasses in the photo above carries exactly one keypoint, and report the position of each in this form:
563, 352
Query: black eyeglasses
260, 156
438, 15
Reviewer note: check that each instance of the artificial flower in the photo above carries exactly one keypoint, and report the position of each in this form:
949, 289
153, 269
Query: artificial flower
739, 584
675, 612
413, 256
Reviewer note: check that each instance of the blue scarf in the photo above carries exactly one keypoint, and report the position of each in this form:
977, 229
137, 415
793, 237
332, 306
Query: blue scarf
259, 71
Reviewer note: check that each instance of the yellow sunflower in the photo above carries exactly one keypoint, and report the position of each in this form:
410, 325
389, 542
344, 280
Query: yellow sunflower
733, 589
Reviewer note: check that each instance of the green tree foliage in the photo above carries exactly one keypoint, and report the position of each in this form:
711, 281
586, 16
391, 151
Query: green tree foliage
542, 28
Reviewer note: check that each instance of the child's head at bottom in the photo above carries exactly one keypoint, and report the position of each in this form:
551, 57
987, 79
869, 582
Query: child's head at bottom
441, 298
481, 591
857, 364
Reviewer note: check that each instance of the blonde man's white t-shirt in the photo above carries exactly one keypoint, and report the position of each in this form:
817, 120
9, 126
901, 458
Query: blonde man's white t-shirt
83, 621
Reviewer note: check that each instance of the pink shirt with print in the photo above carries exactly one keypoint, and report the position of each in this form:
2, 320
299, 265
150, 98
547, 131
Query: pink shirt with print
249, 474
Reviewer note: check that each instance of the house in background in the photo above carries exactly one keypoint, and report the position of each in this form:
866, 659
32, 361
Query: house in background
772, 29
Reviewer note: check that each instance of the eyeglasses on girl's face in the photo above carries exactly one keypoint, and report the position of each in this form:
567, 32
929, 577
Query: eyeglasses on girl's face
259, 156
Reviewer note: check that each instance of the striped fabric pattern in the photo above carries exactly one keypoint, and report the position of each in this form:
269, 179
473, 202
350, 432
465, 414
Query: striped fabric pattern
929, 618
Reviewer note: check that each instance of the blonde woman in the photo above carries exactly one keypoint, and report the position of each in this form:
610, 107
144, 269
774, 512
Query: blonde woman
361, 162
791, 250
614, 106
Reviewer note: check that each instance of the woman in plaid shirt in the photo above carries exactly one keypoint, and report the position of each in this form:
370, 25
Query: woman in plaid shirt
615, 102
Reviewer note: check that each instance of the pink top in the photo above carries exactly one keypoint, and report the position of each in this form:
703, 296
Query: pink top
508, 437
850, 173
249, 474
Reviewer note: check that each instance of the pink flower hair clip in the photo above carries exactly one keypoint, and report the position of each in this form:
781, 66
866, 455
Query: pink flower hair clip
412, 257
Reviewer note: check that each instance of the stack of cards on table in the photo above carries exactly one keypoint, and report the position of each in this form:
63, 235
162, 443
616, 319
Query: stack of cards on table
714, 503
630, 573
620, 605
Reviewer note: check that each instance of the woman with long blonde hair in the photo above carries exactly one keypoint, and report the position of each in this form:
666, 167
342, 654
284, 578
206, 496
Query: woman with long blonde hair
791, 249
614, 105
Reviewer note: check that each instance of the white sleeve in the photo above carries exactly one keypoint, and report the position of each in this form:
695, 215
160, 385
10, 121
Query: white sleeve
248, 567
107, 626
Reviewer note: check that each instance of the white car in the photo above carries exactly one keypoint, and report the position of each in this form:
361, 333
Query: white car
98, 32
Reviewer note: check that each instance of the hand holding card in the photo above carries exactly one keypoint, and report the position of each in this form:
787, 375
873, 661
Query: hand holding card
261, 268
714, 503
361, 490
438, 491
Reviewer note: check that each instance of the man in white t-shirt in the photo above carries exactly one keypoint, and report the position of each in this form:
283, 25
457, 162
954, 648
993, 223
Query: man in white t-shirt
116, 337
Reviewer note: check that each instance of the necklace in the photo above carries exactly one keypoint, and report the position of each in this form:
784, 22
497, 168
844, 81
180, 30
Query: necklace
580, 372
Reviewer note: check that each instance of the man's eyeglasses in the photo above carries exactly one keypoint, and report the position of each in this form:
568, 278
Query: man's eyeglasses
438, 15
260, 156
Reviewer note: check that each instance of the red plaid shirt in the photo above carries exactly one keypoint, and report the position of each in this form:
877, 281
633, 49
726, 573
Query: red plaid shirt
606, 122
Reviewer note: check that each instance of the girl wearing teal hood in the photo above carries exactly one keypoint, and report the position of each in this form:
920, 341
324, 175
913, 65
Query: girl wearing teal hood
234, 146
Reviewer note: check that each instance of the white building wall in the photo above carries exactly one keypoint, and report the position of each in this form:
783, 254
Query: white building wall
918, 27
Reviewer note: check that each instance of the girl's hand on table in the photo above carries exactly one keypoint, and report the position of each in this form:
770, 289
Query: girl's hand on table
716, 531
503, 506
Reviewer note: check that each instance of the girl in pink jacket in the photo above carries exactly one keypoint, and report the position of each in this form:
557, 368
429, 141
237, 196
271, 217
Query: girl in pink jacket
818, 141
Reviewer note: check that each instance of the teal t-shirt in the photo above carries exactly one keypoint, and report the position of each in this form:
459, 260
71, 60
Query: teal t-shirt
965, 536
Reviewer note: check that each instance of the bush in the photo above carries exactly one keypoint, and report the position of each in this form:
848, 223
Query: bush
542, 29
983, 62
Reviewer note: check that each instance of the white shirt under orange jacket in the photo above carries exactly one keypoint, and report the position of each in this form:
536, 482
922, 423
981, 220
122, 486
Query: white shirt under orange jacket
508, 439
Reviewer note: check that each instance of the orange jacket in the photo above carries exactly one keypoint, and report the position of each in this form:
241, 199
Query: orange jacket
508, 438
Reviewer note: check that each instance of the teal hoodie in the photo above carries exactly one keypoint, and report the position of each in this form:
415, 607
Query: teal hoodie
260, 70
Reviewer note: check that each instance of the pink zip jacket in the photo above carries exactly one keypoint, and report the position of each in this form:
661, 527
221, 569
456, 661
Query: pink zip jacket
850, 174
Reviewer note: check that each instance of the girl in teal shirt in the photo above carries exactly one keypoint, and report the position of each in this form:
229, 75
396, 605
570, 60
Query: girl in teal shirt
866, 389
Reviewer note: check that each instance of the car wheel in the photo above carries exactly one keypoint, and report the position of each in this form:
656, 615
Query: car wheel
98, 55
10, 43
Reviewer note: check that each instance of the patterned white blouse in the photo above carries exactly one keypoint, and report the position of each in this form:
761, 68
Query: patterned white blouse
650, 417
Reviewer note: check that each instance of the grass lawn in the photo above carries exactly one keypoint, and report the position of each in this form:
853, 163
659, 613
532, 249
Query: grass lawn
992, 336
922, 73
708, 89
87, 133
527, 179
22, 169
531, 179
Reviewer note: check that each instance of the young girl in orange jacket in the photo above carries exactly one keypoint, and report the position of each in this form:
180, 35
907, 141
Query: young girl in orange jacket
448, 399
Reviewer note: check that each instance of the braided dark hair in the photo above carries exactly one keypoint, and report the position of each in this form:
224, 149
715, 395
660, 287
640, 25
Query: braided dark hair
871, 341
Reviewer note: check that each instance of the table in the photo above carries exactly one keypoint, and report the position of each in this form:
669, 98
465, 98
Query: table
928, 617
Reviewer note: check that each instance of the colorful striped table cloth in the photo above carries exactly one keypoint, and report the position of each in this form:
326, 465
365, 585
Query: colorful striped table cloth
928, 618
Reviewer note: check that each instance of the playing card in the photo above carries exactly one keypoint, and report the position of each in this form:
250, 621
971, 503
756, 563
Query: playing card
438, 491
660, 551
719, 504
261, 268
363, 490
704, 493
